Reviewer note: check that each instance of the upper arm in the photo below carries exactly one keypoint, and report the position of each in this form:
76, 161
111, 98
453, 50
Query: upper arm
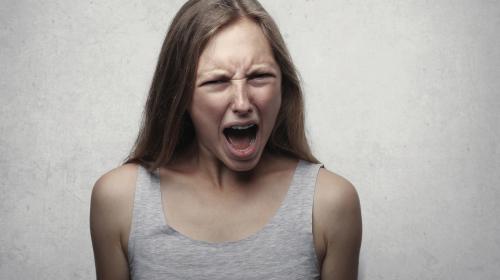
110, 217
339, 214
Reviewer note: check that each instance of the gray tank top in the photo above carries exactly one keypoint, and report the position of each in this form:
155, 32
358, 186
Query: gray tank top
282, 249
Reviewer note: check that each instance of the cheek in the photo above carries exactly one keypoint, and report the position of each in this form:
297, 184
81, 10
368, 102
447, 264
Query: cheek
269, 101
205, 111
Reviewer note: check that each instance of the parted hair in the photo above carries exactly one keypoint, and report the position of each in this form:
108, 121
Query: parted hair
166, 128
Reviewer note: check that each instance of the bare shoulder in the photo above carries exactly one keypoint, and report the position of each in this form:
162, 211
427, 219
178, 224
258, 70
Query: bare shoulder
112, 201
111, 207
338, 216
116, 182
336, 194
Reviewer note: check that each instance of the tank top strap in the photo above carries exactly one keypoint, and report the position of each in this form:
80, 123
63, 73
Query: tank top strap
147, 206
298, 203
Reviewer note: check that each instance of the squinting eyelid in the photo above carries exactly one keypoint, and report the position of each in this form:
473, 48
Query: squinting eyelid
258, 74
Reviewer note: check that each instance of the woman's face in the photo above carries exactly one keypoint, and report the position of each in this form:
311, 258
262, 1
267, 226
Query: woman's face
237, 96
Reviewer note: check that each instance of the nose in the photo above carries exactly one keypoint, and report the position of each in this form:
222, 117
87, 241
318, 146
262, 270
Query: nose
241, 103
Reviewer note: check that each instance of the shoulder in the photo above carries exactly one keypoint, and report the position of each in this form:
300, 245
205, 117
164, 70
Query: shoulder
111, 207
112, 201
115, 184
336, 192
337, 207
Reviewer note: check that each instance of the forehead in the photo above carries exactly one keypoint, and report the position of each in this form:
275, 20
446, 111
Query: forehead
235, 47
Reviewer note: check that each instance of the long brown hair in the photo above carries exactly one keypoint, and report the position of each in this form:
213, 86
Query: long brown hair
166, 128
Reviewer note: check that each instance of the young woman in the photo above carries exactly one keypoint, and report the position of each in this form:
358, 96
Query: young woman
221, 183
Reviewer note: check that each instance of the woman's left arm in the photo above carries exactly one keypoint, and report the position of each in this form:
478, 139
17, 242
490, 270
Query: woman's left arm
339, 217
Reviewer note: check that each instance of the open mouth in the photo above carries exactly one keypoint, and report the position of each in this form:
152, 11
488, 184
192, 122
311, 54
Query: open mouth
241, 137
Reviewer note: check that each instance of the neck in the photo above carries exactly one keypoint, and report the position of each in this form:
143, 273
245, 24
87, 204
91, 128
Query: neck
207, 167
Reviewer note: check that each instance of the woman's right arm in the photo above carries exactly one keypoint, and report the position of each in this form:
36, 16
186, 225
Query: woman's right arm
110, 218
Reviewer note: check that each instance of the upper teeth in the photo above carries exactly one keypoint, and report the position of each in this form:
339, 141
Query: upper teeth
242, 126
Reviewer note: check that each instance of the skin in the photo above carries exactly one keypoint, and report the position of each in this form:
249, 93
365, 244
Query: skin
237, 81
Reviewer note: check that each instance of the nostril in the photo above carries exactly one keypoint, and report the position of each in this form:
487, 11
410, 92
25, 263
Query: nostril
242, 106
242, 111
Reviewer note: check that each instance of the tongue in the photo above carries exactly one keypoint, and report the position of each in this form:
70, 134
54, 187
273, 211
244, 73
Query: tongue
239, 142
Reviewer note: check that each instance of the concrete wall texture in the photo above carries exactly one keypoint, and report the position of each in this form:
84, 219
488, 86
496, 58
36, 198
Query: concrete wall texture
401, 98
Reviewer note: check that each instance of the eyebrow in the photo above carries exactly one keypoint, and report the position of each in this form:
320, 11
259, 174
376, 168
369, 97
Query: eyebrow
218, 73
212, 73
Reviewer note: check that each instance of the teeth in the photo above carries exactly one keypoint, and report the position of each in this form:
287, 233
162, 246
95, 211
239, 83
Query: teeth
240, 127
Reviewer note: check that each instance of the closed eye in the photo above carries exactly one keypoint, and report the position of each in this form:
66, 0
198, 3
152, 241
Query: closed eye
261, 76
214, 82
261, 79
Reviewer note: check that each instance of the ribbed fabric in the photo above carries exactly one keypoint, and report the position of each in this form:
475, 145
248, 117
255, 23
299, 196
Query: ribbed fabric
282, 249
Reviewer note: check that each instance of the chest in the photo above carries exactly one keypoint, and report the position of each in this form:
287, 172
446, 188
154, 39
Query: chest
214, 217
221, 216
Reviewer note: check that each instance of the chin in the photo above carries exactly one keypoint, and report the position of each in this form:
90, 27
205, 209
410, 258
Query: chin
242, 165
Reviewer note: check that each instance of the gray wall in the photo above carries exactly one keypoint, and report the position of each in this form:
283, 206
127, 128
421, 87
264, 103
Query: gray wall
402, 99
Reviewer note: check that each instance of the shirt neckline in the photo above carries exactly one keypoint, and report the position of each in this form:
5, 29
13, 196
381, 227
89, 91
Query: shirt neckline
272, 221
